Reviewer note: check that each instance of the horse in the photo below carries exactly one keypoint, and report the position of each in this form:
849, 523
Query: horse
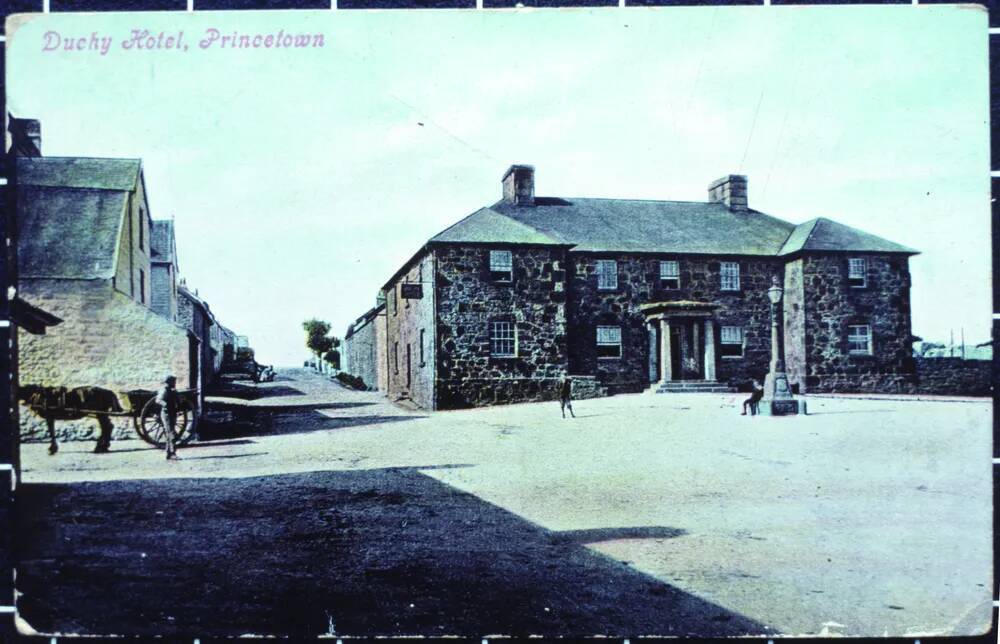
60, 403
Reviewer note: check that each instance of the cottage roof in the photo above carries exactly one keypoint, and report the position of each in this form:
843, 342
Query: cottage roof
79, 172
162, 241
70, 212
629, 225
825, 234
68, 232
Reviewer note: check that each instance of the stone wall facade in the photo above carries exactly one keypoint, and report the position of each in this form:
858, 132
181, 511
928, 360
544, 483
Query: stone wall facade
832, 305
410, 372
953, 377
470, 300
163, 290
360, 354
639, 283
106, 340
192, 315
133, 275
555, 304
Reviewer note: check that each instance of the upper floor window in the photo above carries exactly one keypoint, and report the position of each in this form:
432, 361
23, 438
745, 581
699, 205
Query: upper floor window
142, 229
607, 274
731, 342
859, 339
395, 303
501, 265
609, 342
670, 274
730, 272
857, 272
503, 340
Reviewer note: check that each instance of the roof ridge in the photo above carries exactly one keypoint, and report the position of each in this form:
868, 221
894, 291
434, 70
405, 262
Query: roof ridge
71, 158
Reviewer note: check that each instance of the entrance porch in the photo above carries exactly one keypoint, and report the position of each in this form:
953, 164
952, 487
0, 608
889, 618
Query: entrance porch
682, 346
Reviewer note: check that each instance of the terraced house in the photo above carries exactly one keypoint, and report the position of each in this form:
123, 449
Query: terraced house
630, 294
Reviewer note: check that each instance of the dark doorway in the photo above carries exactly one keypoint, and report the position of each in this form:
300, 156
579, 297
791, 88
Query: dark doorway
194, 362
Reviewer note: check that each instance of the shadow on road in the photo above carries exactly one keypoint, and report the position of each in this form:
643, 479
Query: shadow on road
230, 389
369, 552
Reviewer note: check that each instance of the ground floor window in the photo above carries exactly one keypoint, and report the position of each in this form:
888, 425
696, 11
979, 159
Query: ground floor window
731, 342
609, 342
503, 340
859, 339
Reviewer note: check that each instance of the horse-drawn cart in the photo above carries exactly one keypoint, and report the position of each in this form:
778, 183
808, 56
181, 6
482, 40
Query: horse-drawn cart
60, 403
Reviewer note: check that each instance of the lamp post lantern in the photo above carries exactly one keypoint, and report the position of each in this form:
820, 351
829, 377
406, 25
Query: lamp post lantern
776, 384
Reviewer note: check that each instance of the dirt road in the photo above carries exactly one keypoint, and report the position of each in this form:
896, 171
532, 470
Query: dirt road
312, 509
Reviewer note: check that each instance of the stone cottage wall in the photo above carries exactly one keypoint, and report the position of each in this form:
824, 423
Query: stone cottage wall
832, 305
105, 340
469, 300
360, 356
638, 283
133, 259
411, 333
163, 298
381, 330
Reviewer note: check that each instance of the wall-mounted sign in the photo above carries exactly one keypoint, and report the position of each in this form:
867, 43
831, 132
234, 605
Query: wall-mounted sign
412, 291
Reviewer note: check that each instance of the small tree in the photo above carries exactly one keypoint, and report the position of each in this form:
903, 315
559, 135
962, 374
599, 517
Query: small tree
333, 356
317, 340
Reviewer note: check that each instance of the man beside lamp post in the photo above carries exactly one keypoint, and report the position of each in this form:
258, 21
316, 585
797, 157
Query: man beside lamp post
778, 393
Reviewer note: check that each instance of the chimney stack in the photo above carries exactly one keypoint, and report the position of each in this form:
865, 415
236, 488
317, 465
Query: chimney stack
730, 190
519, 185
25, 136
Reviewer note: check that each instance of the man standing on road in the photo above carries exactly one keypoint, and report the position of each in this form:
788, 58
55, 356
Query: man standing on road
168, 399
565, 396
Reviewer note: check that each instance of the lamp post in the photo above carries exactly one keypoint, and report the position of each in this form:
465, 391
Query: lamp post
776, 384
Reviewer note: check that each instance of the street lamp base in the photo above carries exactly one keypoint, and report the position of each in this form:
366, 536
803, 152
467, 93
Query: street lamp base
784, 407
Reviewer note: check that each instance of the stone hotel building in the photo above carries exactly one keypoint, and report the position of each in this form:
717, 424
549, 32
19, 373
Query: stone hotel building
630, 294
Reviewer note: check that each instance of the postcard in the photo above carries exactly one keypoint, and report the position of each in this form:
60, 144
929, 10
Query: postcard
612, 322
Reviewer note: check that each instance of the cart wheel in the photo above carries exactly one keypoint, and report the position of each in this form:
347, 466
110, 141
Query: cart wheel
150, 428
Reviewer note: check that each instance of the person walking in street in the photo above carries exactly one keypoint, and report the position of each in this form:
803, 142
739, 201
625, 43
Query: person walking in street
566, 396
168, 398
754, 400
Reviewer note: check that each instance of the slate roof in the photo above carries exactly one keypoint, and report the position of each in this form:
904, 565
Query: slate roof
78, 172
825, 234
161, 241
70, 212
68, 232
626, 225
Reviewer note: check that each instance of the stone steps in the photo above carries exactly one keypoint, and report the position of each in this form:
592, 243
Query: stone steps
691, 387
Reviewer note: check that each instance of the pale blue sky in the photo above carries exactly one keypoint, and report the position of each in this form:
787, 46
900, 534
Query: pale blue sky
301, 179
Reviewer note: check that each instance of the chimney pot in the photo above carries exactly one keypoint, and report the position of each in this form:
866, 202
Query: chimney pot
519, 185
730, 190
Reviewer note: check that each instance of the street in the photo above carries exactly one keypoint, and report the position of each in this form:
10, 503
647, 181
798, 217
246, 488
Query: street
311, 509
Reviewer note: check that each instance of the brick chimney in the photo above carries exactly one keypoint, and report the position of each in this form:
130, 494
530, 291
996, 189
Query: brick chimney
519, 185
25, 136
730, 190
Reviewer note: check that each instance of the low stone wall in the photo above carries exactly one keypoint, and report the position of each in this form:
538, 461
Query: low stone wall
953, 377
481, 392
